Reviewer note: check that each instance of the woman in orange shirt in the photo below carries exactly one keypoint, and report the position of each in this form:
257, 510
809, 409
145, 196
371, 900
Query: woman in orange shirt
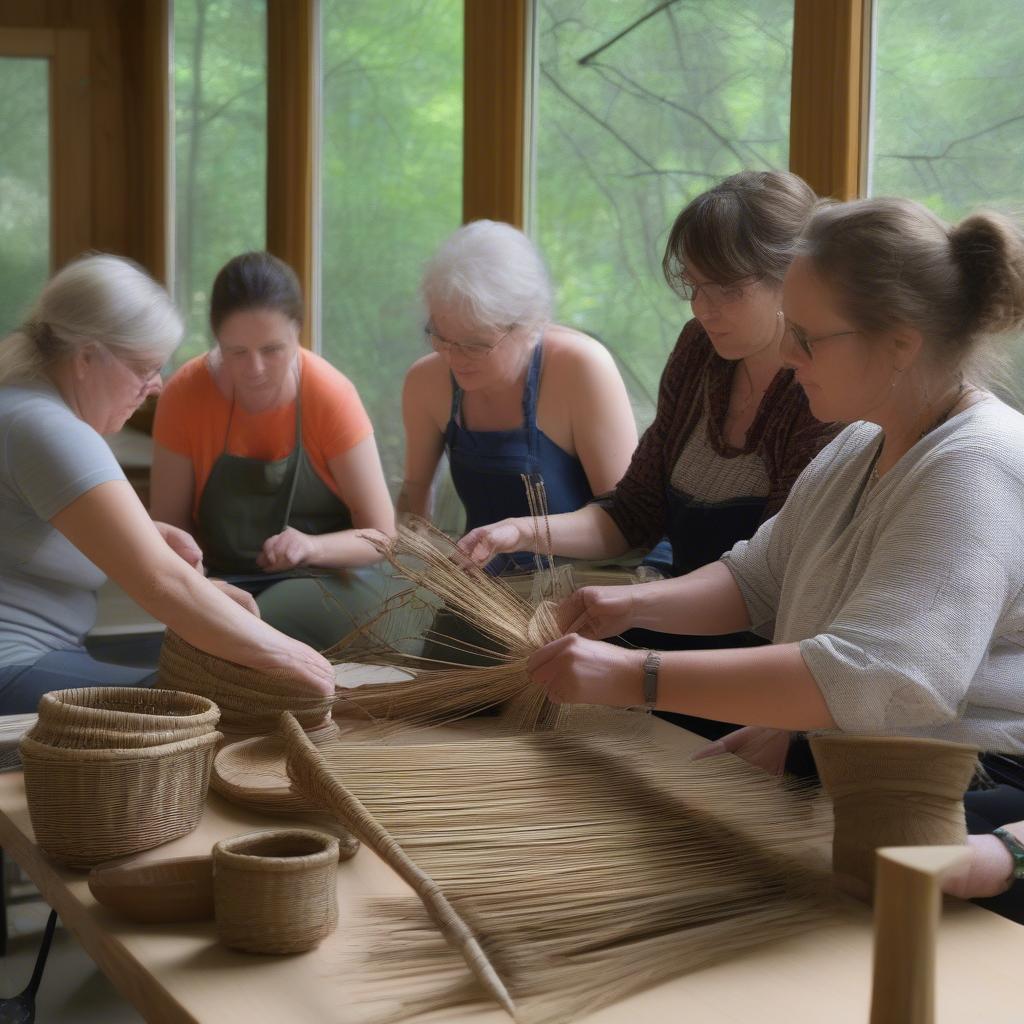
264, 450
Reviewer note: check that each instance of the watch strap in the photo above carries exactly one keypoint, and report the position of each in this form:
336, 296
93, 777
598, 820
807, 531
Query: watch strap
651, 665
1016, 848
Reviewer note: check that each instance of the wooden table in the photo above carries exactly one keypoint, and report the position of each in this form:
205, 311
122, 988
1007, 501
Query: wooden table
181, 974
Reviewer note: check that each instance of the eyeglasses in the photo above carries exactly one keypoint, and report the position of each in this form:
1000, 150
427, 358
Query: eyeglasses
144, 377
475, 351
717, 295
799, 335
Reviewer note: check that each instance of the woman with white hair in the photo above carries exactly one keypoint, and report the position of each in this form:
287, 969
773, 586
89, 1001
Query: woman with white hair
88, 355
505, 391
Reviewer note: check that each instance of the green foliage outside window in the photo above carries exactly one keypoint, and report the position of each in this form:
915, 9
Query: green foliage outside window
24, 185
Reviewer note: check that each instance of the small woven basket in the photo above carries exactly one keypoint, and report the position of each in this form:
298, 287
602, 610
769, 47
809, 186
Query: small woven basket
276, 891
113, 717
88, 806
250, 702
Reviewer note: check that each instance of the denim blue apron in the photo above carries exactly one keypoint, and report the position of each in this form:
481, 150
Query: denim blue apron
487, 467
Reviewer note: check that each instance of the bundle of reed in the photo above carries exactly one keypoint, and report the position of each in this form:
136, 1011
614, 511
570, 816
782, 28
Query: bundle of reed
250, 701
513, 626
565, 871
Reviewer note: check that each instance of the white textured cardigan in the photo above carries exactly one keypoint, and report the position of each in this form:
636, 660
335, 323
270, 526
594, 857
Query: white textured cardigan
907, 598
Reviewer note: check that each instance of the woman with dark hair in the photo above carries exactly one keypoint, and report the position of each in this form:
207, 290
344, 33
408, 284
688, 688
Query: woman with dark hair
265, 451
733, 429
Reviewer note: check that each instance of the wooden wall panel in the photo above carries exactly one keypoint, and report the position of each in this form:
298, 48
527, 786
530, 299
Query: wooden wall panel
494, 147
829, 99
292, 113
110, 153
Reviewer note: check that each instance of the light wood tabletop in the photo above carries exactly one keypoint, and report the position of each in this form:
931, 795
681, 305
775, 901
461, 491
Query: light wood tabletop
179, 973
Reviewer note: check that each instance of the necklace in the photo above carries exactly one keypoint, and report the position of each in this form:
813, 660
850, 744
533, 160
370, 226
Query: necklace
873, 475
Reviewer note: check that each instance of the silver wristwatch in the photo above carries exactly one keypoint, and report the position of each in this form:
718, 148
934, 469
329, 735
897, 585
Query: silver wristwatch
651, 665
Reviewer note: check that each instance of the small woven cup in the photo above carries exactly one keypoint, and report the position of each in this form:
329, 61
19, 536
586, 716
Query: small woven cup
275, 891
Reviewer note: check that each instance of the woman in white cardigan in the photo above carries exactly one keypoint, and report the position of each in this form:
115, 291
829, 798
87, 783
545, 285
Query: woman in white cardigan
892, 581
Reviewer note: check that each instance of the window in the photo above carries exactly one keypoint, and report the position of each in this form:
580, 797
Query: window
220, 100
391, 187
948, 105
24, 185
641, 106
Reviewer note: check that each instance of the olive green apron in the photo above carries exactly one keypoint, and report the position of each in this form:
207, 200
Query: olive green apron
247, 500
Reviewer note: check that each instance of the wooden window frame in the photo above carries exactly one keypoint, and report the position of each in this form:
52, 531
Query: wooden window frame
828, 122
66, 52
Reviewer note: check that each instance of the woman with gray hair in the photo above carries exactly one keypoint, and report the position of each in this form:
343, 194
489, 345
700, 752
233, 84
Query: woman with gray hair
505, 391
89, 354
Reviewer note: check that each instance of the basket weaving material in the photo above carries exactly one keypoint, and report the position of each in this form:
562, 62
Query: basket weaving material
276, 891
111, 717
88, 806
250, 702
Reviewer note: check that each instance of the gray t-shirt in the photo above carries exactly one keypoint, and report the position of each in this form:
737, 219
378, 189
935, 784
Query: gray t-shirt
907, 598
48, 458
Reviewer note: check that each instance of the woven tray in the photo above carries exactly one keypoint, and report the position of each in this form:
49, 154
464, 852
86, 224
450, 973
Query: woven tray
88, 806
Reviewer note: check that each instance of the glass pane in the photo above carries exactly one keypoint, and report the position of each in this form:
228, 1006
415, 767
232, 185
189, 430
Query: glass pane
24, 185
392, 187
641, 106
948, 105
220, 102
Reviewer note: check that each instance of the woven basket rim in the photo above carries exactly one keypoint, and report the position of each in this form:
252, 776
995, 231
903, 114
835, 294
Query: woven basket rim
46, 752
231, 853
65, 705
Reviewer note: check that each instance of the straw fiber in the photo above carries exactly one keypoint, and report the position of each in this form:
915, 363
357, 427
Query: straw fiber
276, 891
564, 870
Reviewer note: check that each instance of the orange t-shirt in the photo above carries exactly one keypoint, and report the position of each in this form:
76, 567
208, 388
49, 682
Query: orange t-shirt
192, 418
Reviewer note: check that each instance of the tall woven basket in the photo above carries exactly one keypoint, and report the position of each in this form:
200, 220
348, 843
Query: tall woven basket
250, 702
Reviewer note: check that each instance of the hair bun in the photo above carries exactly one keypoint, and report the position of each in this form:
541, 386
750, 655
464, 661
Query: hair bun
989, 250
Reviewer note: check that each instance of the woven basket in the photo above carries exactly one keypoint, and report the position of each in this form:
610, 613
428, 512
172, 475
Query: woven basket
275, 891
250, 702
111, 717
890, 791
88, 806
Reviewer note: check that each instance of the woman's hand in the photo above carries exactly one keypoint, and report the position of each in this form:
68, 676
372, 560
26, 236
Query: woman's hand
988, 873
241, 597
291, 661
763, 748
483, 543
597, 612
181, 543
574, 670
286, 550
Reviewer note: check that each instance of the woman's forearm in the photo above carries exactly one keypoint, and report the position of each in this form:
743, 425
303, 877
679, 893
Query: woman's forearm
705, 602
770, 686
344, 549
589, 532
